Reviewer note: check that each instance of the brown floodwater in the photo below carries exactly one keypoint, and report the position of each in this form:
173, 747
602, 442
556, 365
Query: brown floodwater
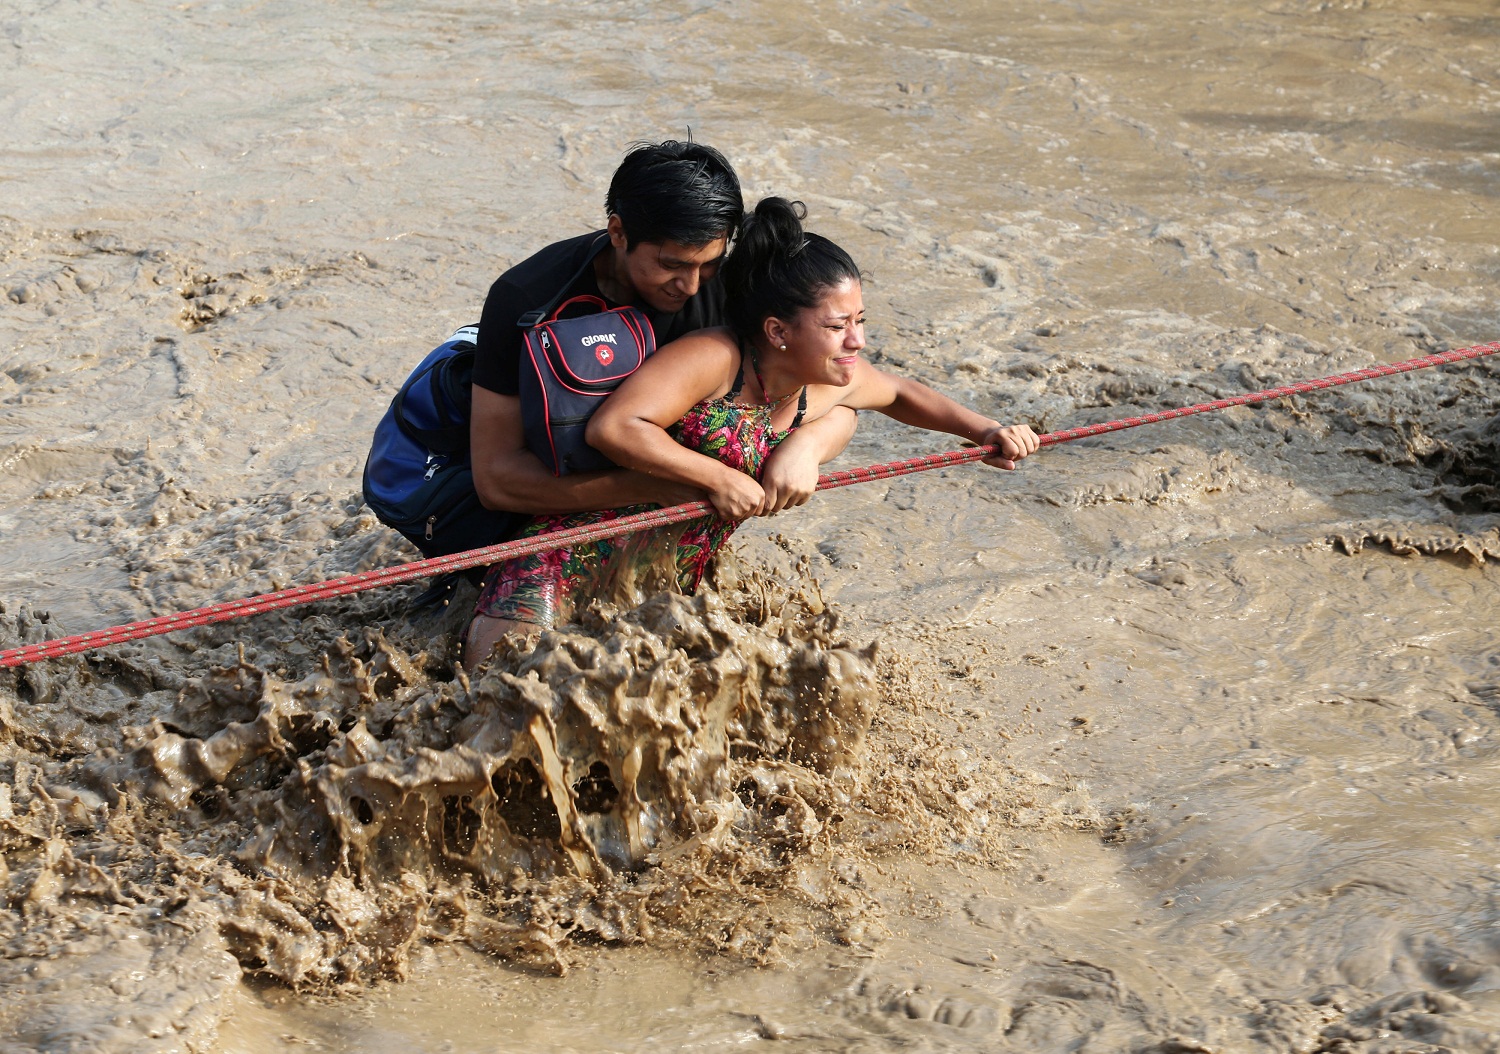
1180, 739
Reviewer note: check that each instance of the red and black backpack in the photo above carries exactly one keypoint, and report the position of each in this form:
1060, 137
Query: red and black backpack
575, 357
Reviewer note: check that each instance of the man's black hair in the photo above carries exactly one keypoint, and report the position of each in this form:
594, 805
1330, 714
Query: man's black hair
675, 192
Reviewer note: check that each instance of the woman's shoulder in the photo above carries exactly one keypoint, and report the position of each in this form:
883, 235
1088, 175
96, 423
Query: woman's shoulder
695, 366
718, 339
704, 353
861, 393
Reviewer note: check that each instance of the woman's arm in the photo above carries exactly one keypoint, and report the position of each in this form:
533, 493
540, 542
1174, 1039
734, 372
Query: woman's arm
630, 428
509, 476
791, 473
913, 403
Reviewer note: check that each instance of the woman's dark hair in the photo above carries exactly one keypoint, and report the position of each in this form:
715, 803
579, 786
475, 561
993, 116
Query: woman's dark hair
777, 268
675, 192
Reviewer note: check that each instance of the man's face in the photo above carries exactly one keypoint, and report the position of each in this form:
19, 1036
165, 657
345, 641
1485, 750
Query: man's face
665, 274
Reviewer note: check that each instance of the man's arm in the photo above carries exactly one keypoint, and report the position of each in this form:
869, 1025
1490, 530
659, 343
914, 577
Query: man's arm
510, 477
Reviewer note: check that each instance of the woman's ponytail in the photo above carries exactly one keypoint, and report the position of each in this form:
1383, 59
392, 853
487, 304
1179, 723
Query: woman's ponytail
777, 268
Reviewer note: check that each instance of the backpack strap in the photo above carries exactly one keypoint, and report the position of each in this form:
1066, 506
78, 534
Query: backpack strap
739, 382
531, 319
582, 304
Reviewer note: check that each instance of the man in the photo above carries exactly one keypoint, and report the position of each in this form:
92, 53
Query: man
673, 208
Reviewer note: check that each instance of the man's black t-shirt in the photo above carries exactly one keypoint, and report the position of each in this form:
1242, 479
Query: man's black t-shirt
534, 281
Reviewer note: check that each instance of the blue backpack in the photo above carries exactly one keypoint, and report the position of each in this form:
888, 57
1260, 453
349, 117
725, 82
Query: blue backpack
418, 477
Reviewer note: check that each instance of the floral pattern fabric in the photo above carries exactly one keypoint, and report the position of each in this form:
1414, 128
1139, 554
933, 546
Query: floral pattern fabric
545, 589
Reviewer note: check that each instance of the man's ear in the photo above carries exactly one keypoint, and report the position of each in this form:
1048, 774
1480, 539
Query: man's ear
615, 228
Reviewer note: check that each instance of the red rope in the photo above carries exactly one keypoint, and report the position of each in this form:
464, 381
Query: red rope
357, 583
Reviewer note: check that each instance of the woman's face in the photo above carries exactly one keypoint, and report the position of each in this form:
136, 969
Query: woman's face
824, 341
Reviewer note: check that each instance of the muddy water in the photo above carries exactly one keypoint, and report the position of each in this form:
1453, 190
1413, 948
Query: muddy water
1181, 739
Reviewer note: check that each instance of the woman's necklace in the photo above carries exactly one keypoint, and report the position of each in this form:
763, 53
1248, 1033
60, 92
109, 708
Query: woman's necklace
765, 396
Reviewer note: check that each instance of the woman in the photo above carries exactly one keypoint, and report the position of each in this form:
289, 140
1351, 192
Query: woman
721, 409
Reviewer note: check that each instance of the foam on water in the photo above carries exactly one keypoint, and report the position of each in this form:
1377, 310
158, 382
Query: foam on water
665, 773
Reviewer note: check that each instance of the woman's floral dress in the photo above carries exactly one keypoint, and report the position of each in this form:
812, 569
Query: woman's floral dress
546, 588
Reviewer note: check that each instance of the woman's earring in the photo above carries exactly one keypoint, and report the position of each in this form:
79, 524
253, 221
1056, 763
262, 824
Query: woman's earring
783, 347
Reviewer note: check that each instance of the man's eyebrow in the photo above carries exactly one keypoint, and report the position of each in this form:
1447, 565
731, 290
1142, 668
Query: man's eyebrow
668, 260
